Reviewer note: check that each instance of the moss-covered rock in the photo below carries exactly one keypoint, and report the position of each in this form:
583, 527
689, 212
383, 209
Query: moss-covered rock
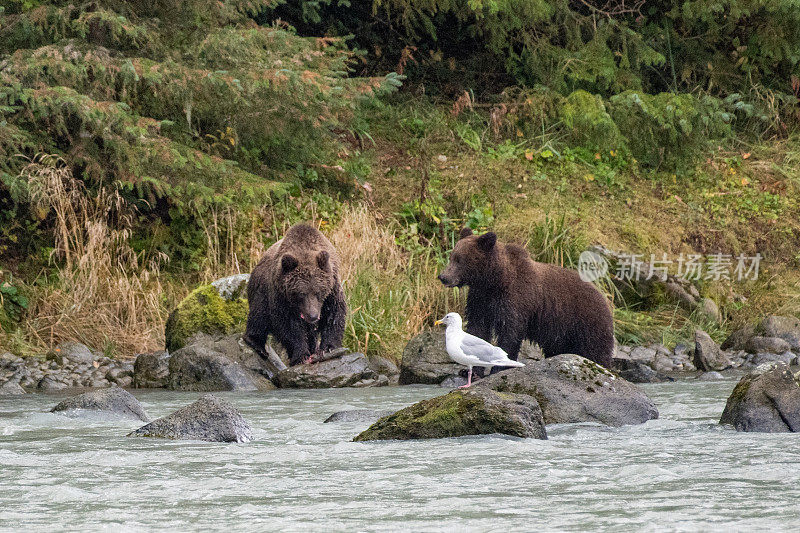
462, 412
217, 308
571, 389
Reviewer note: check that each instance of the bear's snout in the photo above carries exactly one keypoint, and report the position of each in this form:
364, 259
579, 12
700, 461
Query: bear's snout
311, 318
446, 280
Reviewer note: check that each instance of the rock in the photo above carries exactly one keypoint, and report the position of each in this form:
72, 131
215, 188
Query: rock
662, 363
357, 415
51, 383
209, 419
784, 327
7, 359
648, 290
232, 287
765, 400
710, 376
738, 357
637, 371
209, 364
11, 388
425, 360
759, 344
678, 293
453, 382
384, 366
643, 354
739, 338
219, 308
570, 388
786, 358
124, 381
459, 413
151, 370
115, 400
74, 352
348, 370
707, 355
709, 308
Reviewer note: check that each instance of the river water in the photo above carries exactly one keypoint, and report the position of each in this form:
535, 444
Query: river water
679, 473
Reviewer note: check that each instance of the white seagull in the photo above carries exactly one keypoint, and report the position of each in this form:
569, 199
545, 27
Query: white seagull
469, 350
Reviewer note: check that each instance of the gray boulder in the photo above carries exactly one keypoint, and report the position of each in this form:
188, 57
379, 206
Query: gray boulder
643, 354
347, 370
758, 359
425, 360
710, 376
784, 327
151, 370
709, 308
115, 400
385, 366
570, 388
218, 364
739, 338
765, 400
209, 419
460, 413
759, 344
74, 352
707, 354
357, 415
231, 286
52, 382
11, 388
637, 372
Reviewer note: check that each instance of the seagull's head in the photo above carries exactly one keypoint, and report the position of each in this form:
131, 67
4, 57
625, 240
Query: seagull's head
449, 319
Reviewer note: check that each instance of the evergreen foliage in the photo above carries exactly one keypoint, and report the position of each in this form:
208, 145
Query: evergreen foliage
178, 105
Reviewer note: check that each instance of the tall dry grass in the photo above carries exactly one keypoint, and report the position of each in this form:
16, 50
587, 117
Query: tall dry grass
392, 294
105, 294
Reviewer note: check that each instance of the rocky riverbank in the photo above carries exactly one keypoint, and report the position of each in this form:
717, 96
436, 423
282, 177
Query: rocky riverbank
69, 365
224, 362
206, 353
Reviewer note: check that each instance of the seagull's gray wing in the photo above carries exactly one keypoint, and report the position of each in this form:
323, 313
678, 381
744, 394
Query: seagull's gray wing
479, 348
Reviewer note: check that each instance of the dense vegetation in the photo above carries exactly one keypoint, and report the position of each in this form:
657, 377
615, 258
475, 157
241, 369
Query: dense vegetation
150, 144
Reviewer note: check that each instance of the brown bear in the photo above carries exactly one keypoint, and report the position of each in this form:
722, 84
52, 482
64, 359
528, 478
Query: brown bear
295, 294
515, 298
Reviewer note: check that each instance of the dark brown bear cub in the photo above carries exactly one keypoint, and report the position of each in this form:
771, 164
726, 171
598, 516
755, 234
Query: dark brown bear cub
515, 298
295, 294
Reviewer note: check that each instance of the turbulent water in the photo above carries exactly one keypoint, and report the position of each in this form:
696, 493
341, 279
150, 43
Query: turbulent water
681, 472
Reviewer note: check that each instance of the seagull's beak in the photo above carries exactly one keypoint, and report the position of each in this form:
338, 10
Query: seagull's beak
437, 323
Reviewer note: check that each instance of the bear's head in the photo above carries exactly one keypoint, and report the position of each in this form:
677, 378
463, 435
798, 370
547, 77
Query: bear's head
470, 259
307, 279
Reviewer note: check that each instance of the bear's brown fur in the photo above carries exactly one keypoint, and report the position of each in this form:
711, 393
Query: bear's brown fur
513, 297
295, 294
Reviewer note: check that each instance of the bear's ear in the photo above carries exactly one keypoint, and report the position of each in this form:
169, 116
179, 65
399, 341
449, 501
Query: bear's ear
465, 232
487, 241
323, 260
288, 263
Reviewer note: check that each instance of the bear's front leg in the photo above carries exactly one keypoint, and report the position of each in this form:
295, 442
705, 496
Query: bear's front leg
334, 315
510, 334
293, 337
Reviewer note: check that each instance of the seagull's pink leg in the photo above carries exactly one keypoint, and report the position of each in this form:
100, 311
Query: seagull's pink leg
469, 379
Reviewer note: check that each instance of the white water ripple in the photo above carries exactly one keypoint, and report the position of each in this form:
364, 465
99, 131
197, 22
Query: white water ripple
682, 472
